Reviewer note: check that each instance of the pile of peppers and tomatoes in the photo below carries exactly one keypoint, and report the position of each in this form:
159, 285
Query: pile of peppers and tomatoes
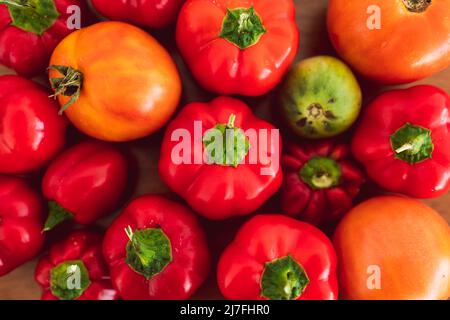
327, 187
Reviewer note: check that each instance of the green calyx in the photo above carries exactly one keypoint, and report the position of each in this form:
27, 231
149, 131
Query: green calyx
321, 173
417, 6
284, 279
69, 280
412, 144
35, 16
68, 85
149, 251
226, 145
56, 216
242, 27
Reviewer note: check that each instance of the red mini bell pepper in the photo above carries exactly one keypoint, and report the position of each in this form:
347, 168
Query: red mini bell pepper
85, 183
156, 250
274, 257
74, 269
21, 221
320, 181
31, 29
238, 47
146, 13
403, 141
31, 131
236, 181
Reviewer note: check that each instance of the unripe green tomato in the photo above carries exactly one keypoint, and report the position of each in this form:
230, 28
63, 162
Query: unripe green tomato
321, 98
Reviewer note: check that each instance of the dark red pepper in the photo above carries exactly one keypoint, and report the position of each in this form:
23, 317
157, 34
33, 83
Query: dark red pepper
320, 181
85, 183
31, 29
156, 250
21, 222
74, 269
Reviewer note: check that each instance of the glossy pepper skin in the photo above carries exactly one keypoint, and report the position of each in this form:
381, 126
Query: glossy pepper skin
81, 249
27, 48
320, 181
238, 47
21, 223
278, 258
85, 183
221, 189
156, 250
31, 131
403, 141
145, 13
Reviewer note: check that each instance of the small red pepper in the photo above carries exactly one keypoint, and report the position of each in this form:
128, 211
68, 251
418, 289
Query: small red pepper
31, 29
21, 220
74, 269
403, 141
320, 181
237, 180
156, 250
146, 13
31, 131
85, 183
238, 47
274, 257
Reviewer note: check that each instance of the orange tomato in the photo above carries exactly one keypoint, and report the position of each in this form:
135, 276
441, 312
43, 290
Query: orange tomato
392, 42
123, 84
393, 248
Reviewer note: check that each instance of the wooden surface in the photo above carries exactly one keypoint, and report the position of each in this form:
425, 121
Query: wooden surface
314, 41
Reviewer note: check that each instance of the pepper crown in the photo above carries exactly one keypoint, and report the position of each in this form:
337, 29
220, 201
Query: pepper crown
283, 279
242, 27
149, 251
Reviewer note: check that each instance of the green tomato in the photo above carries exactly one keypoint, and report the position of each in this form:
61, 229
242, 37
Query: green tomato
321, 98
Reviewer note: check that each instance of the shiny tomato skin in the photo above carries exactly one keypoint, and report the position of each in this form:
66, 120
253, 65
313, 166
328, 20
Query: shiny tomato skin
404, 242
131, 86
407, 47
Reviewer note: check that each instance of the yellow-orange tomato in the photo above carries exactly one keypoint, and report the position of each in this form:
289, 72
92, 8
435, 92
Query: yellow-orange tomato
392, 41
128, 85
393, 248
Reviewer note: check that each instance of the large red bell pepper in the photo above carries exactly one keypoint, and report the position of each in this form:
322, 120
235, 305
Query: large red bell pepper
236, 181
238, 47
403, 141
320, 181
274, 257
31, 29
146, 13
156, 250
31, 131
21, 222
74, 269
85, 183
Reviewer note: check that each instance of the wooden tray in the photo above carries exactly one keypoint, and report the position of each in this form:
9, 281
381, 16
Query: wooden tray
311, 18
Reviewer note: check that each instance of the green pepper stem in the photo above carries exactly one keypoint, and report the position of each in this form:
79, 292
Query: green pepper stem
405, 147
412, 143
18, 3
149, 251
242, 27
